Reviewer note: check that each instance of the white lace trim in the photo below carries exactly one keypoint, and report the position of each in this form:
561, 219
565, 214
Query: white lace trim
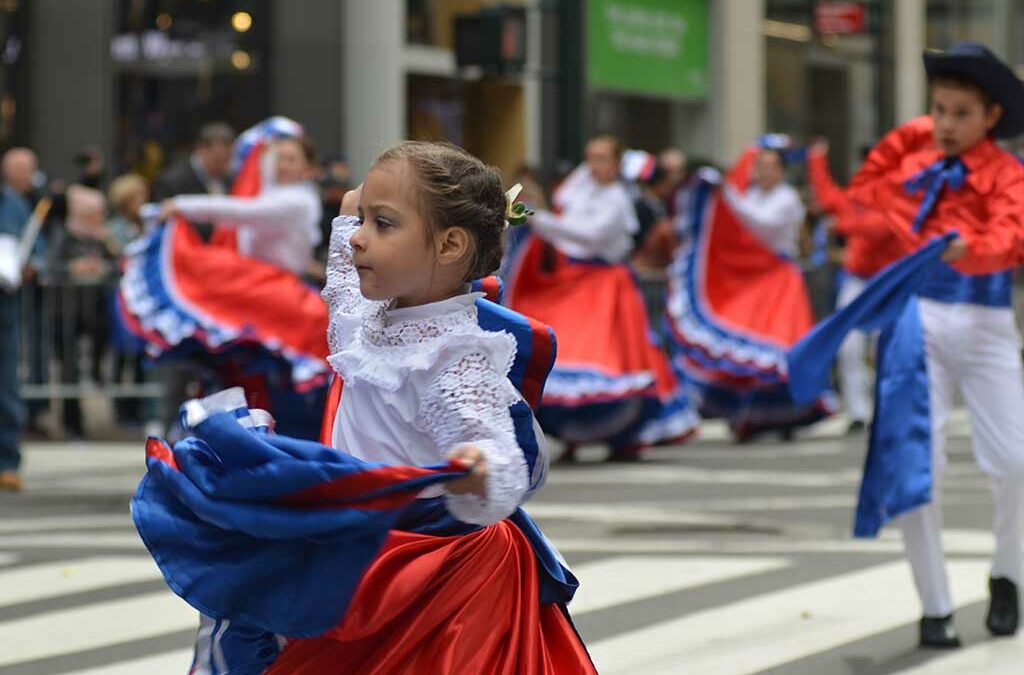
468, 403
345, 302
389, 366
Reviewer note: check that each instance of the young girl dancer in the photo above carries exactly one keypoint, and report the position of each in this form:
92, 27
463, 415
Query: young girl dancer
239, 306
611, 383
737, 299
464, 583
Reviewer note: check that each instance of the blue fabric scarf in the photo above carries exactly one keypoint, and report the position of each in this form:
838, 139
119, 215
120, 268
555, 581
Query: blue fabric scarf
897, 471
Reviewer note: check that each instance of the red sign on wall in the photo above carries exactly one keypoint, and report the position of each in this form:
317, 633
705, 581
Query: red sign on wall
839, 17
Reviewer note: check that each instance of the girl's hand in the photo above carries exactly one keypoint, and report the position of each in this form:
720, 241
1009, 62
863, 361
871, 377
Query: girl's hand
350, 202
470, 457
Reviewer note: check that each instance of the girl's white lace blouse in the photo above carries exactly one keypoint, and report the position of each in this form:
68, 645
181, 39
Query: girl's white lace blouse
419, 382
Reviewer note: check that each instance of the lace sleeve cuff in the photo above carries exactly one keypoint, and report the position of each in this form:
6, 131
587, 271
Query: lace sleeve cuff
468, 404
507, 483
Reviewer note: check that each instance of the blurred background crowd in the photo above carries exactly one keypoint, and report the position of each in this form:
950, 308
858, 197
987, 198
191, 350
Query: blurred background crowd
106, 105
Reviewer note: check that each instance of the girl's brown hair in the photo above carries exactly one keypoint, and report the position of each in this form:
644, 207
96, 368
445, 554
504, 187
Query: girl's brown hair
458, 190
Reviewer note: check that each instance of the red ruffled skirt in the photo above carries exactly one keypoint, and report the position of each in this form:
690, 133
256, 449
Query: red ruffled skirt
430, 605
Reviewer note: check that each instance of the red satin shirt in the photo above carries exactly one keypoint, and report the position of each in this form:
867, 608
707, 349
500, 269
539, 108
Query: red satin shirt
869, 246
987, 211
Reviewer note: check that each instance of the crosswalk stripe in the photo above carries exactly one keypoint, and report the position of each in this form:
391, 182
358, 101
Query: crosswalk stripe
94, 626
37, 582
970, 477
615, 581
955, 542
168, 663
660, 475
775, 628
620, 514
71, 540
69, 522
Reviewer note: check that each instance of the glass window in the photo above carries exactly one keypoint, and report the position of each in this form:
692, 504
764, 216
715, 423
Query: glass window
951, 21
430, 22
181, 64
827, 84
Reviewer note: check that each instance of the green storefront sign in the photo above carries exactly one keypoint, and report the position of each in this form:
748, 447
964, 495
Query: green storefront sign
648, 46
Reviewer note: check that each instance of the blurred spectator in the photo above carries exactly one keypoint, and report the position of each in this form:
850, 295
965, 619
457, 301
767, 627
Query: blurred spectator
654, 242
207, 170
18, 167
127, 195
673, 163
24, 177
91, 167
85, 265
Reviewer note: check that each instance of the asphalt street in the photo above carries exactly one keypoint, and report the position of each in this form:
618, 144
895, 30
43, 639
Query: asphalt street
708, 558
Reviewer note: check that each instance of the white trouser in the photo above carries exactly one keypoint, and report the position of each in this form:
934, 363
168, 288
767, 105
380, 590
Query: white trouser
853, 370
975, 350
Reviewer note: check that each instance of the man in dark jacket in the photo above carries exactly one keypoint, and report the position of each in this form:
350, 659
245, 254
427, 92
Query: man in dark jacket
18, 167
206, 171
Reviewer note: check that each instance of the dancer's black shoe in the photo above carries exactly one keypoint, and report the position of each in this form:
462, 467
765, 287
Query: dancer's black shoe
939, 633
1003, 608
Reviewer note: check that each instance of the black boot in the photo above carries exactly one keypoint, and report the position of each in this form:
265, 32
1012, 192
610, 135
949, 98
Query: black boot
939, 633
568, 455
626, 454
856, 428
1003, 608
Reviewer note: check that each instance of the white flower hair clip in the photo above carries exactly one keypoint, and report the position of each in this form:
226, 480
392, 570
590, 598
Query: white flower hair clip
516, 213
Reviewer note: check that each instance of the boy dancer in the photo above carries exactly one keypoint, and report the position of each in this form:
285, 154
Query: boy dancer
936, 174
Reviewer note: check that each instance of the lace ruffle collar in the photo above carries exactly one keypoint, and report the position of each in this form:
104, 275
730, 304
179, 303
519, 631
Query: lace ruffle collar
392, 343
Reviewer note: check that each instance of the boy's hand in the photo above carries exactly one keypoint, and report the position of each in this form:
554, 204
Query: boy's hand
956, 250
819, 146
470, 457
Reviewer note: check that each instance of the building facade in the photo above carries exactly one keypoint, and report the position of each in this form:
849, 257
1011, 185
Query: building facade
137, 77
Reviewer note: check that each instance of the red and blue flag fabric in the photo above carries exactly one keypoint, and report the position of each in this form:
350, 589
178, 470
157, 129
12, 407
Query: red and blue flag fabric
228, 511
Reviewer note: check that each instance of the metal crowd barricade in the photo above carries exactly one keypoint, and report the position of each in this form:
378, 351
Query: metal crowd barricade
69, 348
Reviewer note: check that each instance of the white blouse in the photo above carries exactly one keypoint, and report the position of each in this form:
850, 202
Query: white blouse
280, 226
596, 221
774, 216
421, 381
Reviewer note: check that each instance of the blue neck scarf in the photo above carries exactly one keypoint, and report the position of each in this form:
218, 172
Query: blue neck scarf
949, 172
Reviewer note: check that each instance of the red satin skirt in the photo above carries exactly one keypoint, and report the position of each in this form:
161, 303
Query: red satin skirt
430, 605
